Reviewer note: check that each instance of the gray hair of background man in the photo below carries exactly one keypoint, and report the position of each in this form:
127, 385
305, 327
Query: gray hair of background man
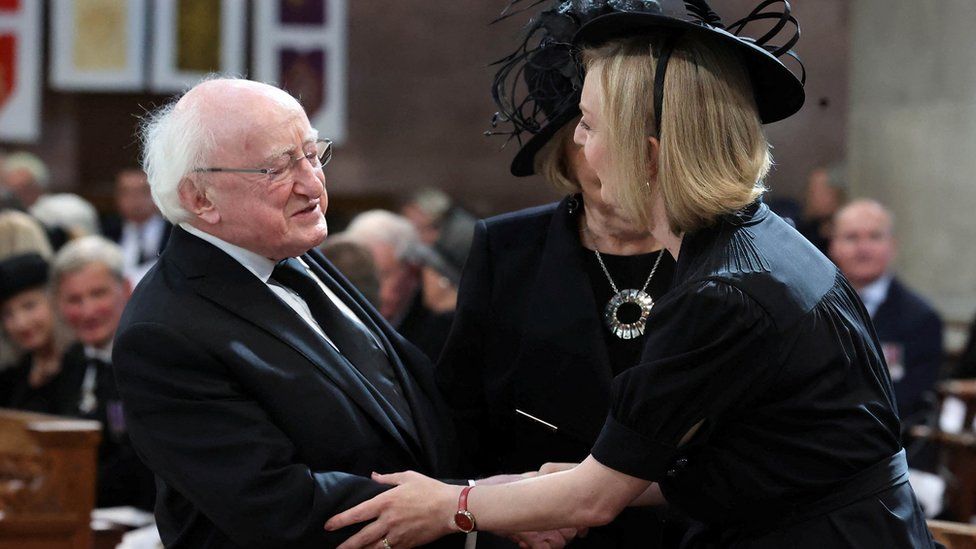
381, 226
26, 161
80, 253
68, 211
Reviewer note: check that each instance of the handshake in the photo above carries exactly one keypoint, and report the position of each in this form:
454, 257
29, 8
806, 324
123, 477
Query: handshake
551, 539
420, 509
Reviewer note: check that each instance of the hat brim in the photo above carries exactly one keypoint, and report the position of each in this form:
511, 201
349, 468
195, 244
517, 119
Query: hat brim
524, 162
779, 93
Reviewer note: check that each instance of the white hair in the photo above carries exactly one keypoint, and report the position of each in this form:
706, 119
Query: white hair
84, 251
27, 161
174, 143
68, 211
383, 227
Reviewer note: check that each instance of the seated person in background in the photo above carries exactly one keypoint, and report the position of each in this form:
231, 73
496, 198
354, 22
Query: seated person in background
355, 262
91, 291
19, 234
27, 319
25, 177
443, 225
66, 216
966, 368
400, 258
823, 195
138, 228
909, 329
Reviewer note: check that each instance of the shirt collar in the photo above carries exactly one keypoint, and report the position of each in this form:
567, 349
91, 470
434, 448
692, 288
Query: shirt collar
259, 265
99, 353
874, 294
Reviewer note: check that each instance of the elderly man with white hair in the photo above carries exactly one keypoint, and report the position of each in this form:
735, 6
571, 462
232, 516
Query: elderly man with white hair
90, 291
401, 260
259, 385
25, 177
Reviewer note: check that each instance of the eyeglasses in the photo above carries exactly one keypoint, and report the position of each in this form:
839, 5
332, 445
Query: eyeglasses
318, 158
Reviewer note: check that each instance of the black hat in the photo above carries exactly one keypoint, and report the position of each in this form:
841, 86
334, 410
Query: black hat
537, 87
778, 91
21, 272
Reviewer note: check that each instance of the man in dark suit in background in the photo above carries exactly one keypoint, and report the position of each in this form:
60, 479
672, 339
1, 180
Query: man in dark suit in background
910, 330
259, 385
137, 228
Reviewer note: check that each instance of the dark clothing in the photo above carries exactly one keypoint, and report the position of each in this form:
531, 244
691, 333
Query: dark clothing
528, 335
123, 479
762, 404
426, 329
966, 369
258, 430
628, 271
910, 332
16, 391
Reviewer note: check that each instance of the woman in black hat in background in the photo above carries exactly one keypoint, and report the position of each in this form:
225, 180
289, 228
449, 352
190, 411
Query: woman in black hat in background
531, 356
27, 317
762, 405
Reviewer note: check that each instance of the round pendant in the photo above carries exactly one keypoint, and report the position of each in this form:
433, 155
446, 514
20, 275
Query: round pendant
625, 298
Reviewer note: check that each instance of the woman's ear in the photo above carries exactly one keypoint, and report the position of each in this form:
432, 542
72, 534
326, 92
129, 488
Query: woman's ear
654, 146
194, 199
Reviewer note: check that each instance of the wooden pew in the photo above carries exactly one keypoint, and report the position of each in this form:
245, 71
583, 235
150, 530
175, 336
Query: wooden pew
954, 535
47, 481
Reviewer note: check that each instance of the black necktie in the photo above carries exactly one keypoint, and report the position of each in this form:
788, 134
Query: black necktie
351, 338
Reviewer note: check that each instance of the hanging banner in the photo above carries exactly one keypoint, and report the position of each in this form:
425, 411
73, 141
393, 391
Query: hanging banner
300, 45
193, 38
98, 45
20, 70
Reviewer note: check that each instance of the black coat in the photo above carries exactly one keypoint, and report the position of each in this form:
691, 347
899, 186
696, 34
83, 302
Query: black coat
257, 429
527, 336
904, 320
762, 404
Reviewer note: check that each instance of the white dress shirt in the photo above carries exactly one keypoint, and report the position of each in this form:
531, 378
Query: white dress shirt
141, 241
262, 267
874, 294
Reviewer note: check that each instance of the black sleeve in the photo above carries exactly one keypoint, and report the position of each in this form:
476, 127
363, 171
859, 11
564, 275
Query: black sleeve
460, 371
216, 446
704, 351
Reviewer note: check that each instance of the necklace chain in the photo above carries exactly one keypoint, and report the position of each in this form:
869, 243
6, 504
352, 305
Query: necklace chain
606, 272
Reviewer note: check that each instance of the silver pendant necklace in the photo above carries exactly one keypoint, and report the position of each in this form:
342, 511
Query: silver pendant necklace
640, 298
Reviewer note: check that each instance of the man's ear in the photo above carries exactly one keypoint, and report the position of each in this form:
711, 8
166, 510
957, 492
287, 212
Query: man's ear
194, 199
654, 150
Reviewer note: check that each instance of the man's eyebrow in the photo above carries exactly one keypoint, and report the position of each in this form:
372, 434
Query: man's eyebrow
291, 149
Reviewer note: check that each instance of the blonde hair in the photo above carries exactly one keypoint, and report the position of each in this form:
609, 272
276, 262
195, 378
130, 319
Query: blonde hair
21, 233
713, 154
551, 161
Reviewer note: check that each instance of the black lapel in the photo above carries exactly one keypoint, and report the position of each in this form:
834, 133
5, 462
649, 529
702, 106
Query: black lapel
216, 276
410, 381
561, 321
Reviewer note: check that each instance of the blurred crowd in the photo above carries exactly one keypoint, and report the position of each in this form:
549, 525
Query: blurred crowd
67, 271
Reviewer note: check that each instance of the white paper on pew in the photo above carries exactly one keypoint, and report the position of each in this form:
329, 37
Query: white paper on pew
953, 415
123, 516
930, 490
146, 537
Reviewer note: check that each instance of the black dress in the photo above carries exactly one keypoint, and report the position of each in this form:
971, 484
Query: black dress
528, 335
762, 404
16, 391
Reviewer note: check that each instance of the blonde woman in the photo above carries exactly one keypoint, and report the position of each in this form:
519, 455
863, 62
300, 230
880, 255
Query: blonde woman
762, 407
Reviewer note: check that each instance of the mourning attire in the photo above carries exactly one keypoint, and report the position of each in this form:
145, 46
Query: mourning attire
529, 336
263, 396
762, 403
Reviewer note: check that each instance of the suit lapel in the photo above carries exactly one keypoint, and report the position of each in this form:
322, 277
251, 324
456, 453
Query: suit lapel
219, 278
561, 320
411, 384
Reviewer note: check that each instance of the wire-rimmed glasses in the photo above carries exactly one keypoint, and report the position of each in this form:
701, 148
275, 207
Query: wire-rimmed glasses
318, 157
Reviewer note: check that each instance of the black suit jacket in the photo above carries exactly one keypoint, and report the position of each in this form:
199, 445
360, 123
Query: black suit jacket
257, 429
908, 322
526, 335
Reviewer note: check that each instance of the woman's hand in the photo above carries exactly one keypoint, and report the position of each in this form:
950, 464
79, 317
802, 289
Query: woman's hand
418, 511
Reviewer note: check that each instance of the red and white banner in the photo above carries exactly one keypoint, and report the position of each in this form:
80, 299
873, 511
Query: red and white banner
20, 70
300, 45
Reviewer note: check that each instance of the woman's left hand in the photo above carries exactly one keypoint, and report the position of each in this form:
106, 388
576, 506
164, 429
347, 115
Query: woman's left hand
418, 511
